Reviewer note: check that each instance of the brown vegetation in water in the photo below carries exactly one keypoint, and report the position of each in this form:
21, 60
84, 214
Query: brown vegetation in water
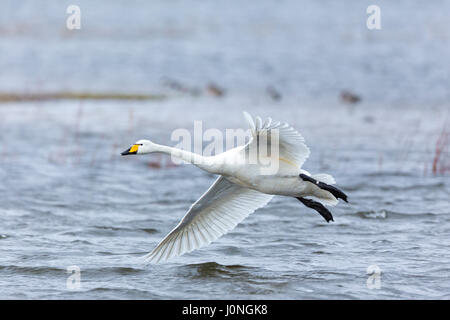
441, 159
19, 97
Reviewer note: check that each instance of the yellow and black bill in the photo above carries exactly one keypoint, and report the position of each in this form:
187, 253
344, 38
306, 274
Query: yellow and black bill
133, 150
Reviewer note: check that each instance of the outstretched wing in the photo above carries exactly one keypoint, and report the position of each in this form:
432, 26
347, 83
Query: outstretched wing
292, 147
217, 212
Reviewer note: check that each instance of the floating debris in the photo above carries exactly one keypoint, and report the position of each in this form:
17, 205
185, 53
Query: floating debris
273, 93
173, 84
178, 86
161, 162
154, 164
349, 97
215, 90
368, 119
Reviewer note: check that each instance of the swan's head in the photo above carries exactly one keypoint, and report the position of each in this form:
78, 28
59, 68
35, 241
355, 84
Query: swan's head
140, 147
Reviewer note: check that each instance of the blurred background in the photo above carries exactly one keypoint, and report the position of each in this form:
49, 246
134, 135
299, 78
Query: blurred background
373, 106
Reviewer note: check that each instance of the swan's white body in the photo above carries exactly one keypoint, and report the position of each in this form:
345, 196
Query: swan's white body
240, 189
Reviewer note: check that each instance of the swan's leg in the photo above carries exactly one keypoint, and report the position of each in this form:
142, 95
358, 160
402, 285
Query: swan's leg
324, 212
333, 190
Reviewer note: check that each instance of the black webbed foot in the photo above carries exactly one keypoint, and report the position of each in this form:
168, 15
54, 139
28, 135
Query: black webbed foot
320, 208
333, 190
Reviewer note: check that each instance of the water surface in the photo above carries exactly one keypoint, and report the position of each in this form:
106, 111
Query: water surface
69, 198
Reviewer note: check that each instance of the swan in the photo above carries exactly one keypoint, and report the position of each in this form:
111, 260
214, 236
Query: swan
241, 188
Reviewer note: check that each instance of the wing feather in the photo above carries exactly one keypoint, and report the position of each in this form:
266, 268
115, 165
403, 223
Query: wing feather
217, 212
292, 145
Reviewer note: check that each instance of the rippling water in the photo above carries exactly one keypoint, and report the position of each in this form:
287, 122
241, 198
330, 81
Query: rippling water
69, 198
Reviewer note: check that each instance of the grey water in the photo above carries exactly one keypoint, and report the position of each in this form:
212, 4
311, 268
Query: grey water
69, 199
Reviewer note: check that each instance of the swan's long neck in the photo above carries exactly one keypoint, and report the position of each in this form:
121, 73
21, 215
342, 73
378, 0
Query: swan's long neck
205, 163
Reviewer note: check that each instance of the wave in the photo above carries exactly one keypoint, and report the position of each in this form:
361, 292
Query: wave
214, 269
38, 270
385, 214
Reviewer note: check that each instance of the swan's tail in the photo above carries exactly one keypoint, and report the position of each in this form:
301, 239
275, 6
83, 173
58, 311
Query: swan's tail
323, 177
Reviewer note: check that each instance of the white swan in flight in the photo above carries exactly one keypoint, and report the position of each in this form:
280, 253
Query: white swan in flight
241, 187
